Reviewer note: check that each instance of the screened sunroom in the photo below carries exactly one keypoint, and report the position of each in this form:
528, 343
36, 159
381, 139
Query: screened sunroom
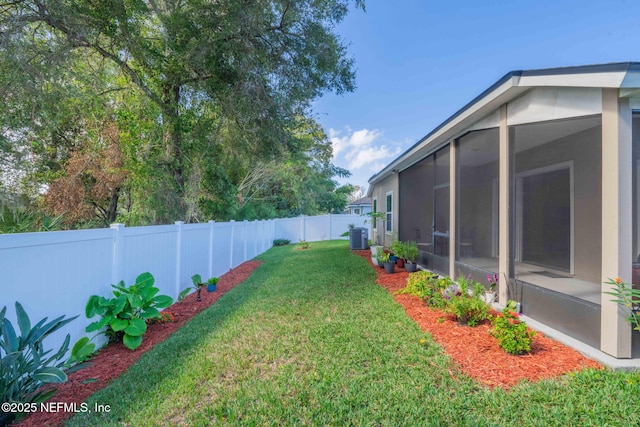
535, 180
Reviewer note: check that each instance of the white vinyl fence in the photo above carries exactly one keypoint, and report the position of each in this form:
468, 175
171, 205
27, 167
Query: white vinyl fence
54, 273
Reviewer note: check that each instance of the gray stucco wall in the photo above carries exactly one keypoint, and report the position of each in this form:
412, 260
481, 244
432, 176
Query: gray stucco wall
389, 184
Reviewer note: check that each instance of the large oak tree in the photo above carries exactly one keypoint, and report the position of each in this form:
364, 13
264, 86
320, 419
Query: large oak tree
196, 87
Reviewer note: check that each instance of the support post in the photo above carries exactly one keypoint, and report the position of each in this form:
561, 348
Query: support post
231, 243
506, 271
245, 224
118, 253
179, 225
211, 224
616, 219
453, 159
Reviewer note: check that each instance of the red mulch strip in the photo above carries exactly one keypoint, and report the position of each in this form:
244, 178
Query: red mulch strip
115, 358
475, 351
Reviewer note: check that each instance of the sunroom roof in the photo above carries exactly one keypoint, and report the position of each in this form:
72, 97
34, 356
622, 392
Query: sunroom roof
622, 75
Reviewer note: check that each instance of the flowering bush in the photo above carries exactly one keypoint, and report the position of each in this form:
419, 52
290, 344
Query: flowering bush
629, 297
165, 317
512, 334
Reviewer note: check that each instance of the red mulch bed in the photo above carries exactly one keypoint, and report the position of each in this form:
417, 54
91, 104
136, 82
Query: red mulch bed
475, 351
115, 358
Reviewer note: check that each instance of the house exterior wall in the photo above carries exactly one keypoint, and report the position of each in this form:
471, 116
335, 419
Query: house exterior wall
554, 103
389, 185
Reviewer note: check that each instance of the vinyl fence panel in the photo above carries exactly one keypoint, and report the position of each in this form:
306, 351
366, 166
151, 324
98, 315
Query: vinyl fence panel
54, 273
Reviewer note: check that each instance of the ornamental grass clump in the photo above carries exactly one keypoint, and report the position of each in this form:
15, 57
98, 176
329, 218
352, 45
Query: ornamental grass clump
512, 334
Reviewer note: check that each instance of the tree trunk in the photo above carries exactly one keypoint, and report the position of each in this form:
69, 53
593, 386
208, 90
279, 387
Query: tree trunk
112, 210
172, 139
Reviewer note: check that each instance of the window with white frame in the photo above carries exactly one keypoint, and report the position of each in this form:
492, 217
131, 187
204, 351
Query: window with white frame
389, 216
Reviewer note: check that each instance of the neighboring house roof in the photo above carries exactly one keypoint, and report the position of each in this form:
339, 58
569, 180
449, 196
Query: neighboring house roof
622, 75
365, 201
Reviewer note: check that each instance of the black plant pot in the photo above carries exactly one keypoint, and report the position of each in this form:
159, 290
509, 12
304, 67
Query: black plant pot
389, 267
411, 267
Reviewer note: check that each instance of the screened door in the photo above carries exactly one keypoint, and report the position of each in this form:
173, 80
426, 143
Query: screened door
546, 219
441, 220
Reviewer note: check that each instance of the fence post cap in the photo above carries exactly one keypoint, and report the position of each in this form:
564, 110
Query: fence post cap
116, 225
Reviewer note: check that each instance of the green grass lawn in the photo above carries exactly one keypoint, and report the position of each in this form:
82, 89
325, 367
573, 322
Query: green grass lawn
310, 339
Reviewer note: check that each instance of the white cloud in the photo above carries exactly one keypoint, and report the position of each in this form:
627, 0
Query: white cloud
360, 157
354, 140
363, 152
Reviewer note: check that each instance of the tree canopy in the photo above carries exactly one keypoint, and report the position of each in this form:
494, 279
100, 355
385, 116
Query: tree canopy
150, 111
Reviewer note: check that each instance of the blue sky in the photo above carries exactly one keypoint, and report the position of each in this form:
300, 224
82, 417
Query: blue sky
418, 62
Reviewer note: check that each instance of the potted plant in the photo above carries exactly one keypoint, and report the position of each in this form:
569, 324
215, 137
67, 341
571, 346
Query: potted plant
389, 265
380, 256
397, 247
212, 283
374, 254
490, 295
410, 251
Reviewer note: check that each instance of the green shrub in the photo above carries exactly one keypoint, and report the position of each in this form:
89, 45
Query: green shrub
303, 244
416, 284
281, 242
25, 365
467, 304
125, 315
440, 292
426, 286
469, 310
512, 334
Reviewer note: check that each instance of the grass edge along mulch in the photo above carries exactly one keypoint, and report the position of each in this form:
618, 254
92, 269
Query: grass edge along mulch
475, 351
114, 359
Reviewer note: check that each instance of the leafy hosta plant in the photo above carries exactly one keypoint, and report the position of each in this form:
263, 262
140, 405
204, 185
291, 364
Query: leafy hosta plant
125, 315
25, 364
